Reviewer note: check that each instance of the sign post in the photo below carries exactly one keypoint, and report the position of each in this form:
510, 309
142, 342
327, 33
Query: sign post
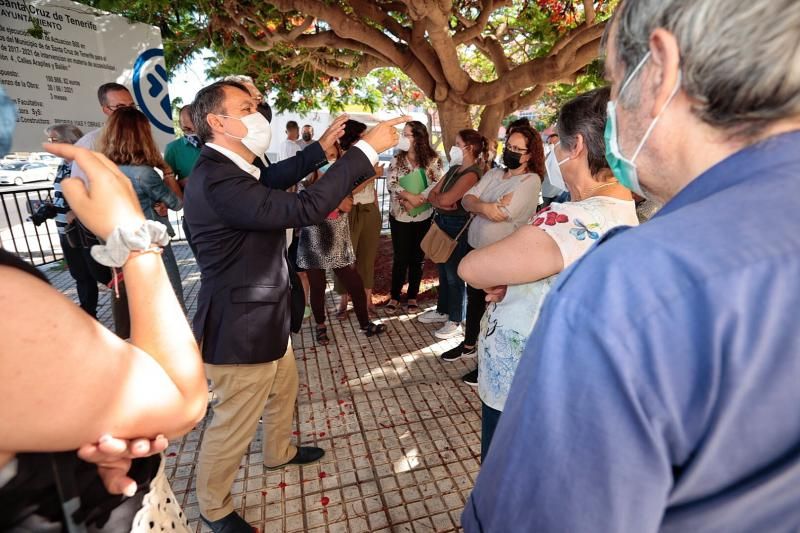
54, 54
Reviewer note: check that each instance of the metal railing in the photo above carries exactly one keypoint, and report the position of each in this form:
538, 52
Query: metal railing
40, 245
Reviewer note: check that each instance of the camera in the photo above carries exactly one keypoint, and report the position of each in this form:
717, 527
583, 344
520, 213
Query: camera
44, 212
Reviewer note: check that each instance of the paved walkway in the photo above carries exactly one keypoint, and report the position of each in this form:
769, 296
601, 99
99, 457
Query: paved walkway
401, 431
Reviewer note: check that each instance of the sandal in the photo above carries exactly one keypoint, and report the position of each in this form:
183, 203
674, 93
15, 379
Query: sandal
412, 307
392, 306
373, 328
322, 335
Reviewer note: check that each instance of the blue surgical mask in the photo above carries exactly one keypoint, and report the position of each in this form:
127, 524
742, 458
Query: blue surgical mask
625, 169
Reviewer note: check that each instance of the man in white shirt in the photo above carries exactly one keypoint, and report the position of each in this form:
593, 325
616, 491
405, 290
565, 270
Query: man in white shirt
291, 145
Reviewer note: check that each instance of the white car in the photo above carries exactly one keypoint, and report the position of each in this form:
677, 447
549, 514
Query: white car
19, 172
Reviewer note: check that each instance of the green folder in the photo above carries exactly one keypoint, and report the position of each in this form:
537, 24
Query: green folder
415, 182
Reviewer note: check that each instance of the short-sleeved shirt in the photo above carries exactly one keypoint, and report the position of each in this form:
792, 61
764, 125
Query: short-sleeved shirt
181, 156
506, 325
493, 186
399, 167
288, 149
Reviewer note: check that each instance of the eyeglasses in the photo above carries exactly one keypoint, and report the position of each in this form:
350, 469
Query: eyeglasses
122, 106
516, 149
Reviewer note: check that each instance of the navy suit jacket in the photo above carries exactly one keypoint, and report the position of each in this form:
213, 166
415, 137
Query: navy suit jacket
238, 225
286, 173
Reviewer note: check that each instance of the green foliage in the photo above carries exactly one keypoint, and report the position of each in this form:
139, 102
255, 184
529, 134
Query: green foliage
525, 29
558, 94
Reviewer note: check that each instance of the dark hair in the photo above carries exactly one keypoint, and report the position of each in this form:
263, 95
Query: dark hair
265, 110
352, 133
103, 90
533, 142
585, 115
127, 139
477, 142
519, 123
308, 126
423, 151
209, 101
292, 125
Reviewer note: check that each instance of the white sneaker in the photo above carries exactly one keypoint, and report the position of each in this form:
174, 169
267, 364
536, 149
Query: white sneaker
450, 329
431, 316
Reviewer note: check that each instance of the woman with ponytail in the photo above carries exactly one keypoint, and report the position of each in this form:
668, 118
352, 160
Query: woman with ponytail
467, 157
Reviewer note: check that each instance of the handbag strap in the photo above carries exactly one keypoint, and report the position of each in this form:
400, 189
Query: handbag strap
465, 227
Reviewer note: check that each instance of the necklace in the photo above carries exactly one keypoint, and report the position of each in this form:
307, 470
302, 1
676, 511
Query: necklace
591, 191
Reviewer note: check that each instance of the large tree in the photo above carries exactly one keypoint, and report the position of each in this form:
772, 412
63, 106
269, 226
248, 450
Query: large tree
493, 56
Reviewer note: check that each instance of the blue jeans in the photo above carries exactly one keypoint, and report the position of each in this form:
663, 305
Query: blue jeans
489, 420
452, 289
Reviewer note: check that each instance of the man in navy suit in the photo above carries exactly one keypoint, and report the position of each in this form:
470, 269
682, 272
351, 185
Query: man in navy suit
238, 222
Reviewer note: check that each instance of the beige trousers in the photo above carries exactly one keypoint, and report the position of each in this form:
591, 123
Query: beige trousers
244, 393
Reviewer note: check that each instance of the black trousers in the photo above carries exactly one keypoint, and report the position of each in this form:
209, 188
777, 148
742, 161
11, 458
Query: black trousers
476, 306
87, 273
408, 256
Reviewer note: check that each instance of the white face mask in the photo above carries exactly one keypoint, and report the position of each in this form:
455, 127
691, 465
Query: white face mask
553, 166
456, 155
403, 144
259, 133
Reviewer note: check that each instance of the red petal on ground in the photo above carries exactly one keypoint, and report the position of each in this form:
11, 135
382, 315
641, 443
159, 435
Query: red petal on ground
323, 475
281, 485
325, 501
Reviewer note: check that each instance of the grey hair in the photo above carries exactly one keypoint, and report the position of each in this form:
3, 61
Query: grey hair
210, 100
239, 78
740, 59
65, 132
585, 115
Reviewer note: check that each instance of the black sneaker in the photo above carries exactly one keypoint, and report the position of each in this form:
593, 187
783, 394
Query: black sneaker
471, 378
453, 354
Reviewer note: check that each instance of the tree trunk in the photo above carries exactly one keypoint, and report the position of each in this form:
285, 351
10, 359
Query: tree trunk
453, 117
491, 118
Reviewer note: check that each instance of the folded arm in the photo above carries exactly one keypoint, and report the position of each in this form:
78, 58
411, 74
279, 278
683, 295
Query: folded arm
529, 254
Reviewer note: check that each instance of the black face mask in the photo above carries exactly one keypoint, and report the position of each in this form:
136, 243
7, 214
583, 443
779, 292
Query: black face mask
511, 159
306, 137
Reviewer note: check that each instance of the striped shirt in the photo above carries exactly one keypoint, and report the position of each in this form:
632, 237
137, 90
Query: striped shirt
59, 202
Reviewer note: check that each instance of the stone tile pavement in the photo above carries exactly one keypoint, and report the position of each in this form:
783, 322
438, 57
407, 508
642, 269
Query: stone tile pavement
401, 431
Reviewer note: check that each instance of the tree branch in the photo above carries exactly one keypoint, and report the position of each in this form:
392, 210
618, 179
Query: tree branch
476, 28
301, 29
588, 9
445, 48
542, 70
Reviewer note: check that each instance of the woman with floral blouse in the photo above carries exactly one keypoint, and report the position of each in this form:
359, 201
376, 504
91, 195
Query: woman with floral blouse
408, 230
518, 271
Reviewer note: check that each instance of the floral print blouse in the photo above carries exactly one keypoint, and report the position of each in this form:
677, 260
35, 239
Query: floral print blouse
506, 325
398, 168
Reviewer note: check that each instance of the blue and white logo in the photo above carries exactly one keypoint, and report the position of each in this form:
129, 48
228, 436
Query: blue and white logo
150, 89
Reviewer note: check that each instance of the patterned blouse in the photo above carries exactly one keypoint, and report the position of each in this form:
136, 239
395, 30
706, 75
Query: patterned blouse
398, 168
506, 325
